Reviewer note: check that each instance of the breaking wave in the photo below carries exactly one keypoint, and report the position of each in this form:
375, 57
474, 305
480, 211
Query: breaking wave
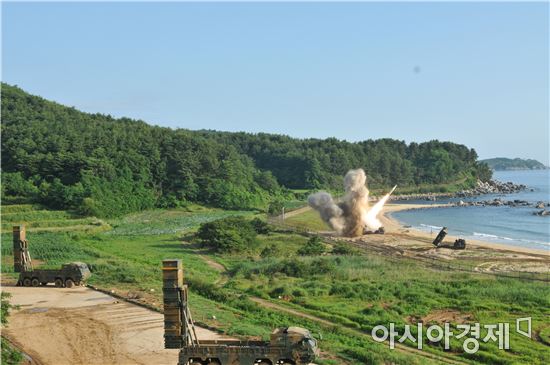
429, 226
502, 238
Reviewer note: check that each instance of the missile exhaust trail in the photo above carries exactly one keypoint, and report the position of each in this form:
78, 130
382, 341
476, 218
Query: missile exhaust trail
352, 214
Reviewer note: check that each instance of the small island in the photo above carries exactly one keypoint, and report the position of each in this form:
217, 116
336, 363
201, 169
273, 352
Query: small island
505, 164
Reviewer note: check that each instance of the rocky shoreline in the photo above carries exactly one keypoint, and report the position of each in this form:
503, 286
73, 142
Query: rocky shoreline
492, 187
489, 187
497, 202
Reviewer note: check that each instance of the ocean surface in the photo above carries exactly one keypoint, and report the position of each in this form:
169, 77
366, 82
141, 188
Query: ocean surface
516, 226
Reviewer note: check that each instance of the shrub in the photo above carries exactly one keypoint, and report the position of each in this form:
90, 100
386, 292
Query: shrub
9, 354
279, 292
344, 250
5, 307
260, 226
207, 290
314, 246
275, 207
271, 251
232, 234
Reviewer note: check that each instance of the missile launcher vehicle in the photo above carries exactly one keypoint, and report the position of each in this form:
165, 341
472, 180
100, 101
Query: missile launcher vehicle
287, 346
440, 236
70, 274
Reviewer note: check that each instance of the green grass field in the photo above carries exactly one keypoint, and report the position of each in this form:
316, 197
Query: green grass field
353, 293
309, 220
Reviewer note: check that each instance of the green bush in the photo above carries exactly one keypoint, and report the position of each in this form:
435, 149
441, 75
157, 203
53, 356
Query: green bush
5, 307
314, 246
207, 290
9, 354
275, 207
271, 251
260, 226
298, 267
344, 250
232, 234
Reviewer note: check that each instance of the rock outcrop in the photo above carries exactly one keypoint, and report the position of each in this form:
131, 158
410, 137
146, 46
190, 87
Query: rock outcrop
492, 187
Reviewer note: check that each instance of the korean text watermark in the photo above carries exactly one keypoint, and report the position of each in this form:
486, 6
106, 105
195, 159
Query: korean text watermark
435, 333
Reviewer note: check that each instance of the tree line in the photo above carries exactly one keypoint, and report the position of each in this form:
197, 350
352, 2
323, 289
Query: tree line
98, 165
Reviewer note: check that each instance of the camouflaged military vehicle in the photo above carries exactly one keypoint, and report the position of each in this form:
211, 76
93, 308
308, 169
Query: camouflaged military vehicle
287, 346
71, 274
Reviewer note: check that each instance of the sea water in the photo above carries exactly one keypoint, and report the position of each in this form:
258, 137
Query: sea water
515, 226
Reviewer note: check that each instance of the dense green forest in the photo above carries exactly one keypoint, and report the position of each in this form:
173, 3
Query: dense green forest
98, 165
503, 164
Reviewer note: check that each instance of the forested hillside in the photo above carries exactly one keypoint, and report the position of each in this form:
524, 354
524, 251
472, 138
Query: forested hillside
503, 164
98, 165
315, 163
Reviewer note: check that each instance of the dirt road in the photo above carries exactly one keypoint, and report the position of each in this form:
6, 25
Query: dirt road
81, 326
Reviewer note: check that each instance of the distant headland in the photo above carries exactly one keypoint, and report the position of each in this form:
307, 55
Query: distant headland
504, 164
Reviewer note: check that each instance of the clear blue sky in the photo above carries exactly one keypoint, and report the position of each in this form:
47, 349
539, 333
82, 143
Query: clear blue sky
473, 73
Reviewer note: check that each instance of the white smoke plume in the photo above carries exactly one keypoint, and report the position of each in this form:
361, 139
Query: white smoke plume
351, 215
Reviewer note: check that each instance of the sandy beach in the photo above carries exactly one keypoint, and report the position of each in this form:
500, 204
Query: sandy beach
478, 256
393, 226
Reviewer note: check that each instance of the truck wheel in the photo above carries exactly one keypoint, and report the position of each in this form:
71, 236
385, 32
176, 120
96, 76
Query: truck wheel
212, 362
35, 282
26, 282
69, 283
58, 283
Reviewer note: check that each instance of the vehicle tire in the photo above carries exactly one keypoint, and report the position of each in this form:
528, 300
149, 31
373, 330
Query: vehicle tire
35, 282
212, 362
69, 283
58, 283
27, 282
195, 362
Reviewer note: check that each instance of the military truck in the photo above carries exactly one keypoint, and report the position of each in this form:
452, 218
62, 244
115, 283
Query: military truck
287, 345
70, 274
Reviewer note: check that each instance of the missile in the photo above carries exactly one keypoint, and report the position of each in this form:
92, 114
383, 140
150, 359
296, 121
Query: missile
392, 190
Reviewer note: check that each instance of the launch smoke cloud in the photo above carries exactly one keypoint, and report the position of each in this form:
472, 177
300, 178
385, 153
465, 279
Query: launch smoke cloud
352, 214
